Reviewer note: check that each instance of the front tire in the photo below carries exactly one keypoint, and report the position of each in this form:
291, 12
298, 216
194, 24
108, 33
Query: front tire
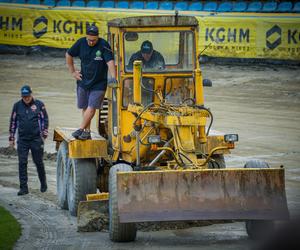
258, 229
61, 175
218, 161
82, 180
118, 232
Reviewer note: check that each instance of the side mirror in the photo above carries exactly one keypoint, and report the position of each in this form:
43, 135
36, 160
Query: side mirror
203, 59
207, 83
131, 36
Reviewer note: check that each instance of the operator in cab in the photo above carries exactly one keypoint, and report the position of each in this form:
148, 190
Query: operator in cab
151, 59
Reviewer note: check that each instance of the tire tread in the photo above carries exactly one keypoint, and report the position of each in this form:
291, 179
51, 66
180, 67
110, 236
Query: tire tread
118, 232
85, 181
61, 188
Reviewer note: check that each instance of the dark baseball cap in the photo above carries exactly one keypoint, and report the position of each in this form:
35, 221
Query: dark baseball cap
26, 91
146, 47
92, 30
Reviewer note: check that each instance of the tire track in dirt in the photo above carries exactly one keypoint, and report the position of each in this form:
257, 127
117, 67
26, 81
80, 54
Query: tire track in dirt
45, 226
49, 234
43, 223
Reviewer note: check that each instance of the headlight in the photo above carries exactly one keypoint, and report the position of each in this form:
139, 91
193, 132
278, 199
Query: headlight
154, 139
231, 137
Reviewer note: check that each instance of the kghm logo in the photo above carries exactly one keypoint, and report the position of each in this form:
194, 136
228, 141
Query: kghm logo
40, 26
273, 37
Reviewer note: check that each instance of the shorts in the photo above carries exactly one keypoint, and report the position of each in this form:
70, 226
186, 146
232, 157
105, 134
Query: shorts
89, 98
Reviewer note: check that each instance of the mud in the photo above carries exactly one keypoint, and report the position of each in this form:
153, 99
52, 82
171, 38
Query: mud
259, 102
10, 151
93, 221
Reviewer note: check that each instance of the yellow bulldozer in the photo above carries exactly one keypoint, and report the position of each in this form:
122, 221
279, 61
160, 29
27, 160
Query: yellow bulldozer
154, 156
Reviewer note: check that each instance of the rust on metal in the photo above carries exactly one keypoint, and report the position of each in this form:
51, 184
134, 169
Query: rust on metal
154, 21
201, 194
88, 148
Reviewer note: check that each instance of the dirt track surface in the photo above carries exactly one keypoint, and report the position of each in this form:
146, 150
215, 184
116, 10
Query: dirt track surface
260, 103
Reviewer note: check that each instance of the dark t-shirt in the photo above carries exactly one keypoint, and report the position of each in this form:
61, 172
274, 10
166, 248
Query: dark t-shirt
156, 61
93, 63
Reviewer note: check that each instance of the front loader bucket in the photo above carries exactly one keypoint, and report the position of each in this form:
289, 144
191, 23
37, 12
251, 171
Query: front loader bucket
201, 195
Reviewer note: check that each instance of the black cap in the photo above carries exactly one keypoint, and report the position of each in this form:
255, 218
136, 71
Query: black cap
26, 91
146, 47
92, 31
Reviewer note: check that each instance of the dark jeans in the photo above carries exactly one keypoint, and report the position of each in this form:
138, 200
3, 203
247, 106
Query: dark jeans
36, 147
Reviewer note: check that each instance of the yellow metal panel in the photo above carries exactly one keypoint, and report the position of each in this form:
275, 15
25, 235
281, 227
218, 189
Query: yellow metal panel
213, 142
97, 197
192, 118
137, 77
183, 138
153, 117
87, 149
196, 120
94, 148
199, 87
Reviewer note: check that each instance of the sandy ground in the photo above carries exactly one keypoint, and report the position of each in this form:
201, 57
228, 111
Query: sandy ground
260, 103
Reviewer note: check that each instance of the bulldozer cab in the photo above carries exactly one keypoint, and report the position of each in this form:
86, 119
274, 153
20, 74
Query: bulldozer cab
176, 44
172, 56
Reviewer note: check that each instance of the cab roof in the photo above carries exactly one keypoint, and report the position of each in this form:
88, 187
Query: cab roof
154, 21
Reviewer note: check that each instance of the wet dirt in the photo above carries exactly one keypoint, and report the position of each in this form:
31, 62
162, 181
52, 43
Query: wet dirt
11, 151
259, 102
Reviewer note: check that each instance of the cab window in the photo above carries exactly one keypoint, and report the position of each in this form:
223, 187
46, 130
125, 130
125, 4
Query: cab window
176, 48
147, 91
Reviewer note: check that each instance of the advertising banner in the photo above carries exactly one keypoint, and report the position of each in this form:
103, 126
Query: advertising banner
228, 37
54, 28
249, 37
275, 36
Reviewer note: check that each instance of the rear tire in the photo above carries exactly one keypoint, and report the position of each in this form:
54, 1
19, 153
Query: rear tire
82, 180
118, 232
258, 229
61, 175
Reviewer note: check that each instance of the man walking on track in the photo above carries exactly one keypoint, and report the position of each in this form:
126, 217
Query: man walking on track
30, 117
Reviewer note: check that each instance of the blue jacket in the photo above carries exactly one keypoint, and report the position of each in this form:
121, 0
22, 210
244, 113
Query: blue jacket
30, 120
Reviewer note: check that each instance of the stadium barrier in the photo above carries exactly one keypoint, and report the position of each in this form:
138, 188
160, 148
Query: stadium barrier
231, 35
